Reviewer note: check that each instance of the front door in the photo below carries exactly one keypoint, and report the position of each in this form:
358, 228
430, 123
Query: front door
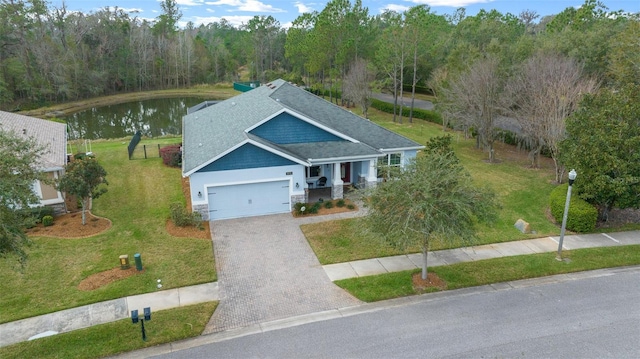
345, 172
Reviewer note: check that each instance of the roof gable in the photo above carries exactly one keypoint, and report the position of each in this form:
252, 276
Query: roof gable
246, 156
285, 128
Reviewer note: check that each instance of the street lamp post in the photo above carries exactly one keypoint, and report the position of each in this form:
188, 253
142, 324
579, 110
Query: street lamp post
572, 177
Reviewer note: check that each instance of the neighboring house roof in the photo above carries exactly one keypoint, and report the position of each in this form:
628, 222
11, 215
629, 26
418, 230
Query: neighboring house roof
213, 131
52, 135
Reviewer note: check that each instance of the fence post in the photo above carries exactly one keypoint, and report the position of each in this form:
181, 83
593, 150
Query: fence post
159, 150
145, 151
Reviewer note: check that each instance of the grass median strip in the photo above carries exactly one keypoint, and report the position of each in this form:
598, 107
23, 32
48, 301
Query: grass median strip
117, 337
471, 274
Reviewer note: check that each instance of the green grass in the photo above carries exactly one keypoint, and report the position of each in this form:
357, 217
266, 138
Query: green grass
470, 274
137, 202
117, 337
523, 192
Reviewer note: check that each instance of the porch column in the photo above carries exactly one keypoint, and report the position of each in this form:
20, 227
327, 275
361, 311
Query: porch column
372, 178
336, 182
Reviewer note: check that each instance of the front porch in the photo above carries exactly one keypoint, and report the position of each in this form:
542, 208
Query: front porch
324, 194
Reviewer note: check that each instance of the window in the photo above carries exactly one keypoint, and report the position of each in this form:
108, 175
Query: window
390, 160
313, 171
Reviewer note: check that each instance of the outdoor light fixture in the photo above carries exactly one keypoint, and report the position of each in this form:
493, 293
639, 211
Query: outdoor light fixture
199, 194
572, 177
297, 185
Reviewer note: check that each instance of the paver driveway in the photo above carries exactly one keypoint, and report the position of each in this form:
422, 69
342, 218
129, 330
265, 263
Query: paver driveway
267, 271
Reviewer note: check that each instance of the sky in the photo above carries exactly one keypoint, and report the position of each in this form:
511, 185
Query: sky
239, 12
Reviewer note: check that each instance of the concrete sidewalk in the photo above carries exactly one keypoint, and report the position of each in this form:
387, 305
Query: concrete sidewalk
104, 312
113, 310
374, 266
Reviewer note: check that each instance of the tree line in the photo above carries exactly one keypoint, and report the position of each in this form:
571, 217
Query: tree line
50, 54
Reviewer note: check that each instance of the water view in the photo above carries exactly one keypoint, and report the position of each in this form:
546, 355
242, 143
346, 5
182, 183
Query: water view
157, 117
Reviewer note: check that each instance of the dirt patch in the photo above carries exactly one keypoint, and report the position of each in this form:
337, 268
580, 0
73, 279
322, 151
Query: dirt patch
101, 279
432, 281
190, 231
70, 226
620, 217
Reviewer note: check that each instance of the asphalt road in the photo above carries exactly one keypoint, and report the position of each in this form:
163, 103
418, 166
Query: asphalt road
592, 315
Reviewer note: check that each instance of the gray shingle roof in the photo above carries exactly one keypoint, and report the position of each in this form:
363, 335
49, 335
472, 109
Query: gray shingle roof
47, 133
214, 130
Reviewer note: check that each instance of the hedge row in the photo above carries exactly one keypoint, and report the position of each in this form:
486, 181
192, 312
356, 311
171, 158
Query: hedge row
426, 115
582, 215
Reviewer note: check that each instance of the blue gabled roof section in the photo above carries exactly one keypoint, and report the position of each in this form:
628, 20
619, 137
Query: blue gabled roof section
286, 129
246, 156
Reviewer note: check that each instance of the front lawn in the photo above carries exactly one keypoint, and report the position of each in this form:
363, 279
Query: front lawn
523, 192
117, 337
137, 202
470, 274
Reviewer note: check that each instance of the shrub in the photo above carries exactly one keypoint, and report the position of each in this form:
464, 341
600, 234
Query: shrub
328, 204
183, 218
350, 206
39, 212
582, 216
47, 221
340, 203
171, 155
314, 208
298, 208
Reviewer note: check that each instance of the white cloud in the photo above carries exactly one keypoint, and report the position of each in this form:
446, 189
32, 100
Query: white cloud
451, 3
245, 5
131, 9
395, 7
190, 2
302, 8
233, 20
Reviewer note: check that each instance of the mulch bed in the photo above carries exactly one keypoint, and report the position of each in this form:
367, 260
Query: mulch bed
70, 226
432, 281
98, 280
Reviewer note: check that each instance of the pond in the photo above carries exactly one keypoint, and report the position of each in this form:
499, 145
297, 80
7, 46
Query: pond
157, 117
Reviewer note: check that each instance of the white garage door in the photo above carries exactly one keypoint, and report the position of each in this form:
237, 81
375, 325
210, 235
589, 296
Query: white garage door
246, 200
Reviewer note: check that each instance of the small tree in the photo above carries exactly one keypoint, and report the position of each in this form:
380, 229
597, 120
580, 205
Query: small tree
432, 199
83, 178
19, 160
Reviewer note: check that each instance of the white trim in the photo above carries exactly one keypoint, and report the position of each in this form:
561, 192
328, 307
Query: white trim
273, 179
246, 141
320, 161
400, 149
305, 119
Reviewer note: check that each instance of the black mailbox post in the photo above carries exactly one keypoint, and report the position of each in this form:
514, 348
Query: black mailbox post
135, 318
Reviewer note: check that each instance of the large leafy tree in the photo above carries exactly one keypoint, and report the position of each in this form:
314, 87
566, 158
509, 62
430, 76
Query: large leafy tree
602, 144
83, 178
19, 158
432, 199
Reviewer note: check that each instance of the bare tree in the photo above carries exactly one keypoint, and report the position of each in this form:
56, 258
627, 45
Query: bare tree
541, 96
473, 97
357, 86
